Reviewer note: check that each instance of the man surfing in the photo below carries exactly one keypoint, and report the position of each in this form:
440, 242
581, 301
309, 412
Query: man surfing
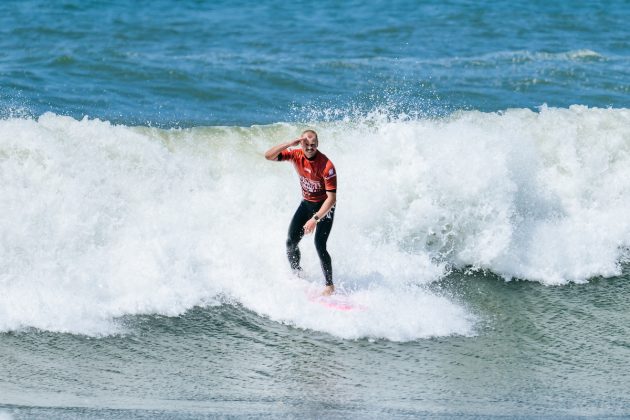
318, 179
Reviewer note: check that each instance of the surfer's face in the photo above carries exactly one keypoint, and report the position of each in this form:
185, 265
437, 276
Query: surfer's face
309, 145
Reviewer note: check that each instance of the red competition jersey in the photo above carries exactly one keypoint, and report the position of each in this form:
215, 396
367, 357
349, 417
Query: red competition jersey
317, 175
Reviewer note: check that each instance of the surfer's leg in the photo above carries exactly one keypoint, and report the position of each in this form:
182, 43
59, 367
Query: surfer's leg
295, 234
321, 236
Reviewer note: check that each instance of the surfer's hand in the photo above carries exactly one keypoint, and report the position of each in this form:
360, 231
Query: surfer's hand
296, 141
309, 226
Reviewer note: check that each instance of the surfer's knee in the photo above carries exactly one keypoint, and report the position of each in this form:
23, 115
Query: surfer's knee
320, 246
292, 242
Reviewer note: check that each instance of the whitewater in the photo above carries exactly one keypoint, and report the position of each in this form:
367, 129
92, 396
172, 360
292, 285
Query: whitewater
101, 221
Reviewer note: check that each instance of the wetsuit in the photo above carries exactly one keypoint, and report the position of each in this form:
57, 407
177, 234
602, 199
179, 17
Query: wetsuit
317, 176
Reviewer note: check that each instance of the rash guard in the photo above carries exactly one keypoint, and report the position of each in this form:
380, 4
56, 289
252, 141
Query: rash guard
317, 175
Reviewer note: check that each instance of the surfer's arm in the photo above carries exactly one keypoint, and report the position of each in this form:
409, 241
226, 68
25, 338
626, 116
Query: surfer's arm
272, 154
331, 199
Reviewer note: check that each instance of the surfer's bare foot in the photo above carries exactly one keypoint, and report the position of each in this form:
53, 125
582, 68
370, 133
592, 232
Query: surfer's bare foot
328, 290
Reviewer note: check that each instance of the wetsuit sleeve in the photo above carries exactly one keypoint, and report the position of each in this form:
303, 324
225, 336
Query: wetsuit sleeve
285, 155
330, 177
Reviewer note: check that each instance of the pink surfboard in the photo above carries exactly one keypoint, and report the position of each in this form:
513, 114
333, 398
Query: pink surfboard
338, 302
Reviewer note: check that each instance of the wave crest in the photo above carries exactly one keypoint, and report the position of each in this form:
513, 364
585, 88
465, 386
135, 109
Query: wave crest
107, 220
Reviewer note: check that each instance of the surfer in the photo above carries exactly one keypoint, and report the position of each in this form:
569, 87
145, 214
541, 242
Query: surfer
318, 179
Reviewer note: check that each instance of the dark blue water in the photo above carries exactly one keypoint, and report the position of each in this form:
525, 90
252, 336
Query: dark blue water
240, 63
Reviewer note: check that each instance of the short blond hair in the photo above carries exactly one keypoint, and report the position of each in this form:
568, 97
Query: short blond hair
312, 132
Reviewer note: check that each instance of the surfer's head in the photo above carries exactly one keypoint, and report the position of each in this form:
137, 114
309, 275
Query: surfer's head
309, 143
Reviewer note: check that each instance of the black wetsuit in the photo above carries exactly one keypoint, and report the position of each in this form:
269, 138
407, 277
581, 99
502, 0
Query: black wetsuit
304, 212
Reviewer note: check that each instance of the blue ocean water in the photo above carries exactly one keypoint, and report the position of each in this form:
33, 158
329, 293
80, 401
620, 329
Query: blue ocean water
482, 228
195, 63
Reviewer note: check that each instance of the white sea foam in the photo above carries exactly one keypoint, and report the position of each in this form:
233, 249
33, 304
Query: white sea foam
100, 221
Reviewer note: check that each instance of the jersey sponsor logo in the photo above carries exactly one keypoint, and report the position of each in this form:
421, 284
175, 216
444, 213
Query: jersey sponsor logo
309, 185
331, 173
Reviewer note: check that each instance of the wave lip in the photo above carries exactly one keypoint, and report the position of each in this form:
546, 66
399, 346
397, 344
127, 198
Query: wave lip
531, 195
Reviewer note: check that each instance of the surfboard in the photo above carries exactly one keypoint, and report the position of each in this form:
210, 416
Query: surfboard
337, 302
